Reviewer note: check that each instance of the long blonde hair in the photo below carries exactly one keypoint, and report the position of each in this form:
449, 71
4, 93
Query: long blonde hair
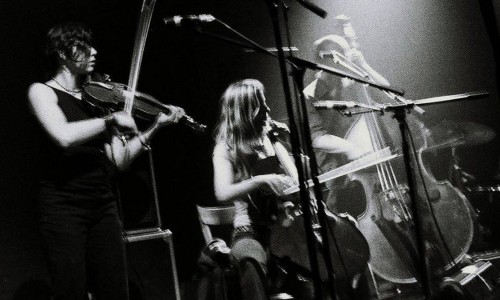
238, 128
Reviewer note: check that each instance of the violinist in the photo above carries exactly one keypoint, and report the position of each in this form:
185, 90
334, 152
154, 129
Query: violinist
79, 223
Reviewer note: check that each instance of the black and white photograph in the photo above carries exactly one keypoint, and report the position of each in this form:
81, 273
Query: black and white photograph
250, 150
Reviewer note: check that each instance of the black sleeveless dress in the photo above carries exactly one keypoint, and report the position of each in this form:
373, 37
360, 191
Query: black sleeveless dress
82, 171
79, 224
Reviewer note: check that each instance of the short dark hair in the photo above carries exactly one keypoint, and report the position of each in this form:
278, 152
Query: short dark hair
63, 37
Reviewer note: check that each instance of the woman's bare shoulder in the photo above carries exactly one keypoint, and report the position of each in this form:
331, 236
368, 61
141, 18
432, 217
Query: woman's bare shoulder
39, 90
221, 150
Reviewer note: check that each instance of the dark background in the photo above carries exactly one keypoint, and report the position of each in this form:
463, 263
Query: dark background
428, 48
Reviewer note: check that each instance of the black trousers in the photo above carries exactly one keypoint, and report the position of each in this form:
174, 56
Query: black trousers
249, 249
84, 247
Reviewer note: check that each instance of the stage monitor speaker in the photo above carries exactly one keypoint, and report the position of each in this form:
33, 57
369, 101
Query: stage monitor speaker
151, 266
150, 252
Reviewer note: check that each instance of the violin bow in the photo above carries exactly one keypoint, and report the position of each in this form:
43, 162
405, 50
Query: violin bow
140, 42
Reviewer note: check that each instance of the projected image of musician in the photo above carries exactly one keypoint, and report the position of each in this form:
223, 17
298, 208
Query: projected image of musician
378, 197
340, 50
81, 231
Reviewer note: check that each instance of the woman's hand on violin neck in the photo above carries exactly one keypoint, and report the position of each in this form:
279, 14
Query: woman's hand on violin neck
175, 115
276, 183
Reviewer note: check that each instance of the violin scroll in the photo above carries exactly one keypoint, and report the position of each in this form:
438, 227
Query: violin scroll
191, 123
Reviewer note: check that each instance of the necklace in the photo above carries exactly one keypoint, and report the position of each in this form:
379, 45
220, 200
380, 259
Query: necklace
67, 90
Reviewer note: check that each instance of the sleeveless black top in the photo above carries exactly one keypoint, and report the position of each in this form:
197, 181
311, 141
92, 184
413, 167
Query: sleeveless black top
81, 171
263, 205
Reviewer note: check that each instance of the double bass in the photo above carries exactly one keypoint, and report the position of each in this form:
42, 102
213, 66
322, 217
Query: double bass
385, 216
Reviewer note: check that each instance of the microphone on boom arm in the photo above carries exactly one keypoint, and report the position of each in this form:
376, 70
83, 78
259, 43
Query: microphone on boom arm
186, 20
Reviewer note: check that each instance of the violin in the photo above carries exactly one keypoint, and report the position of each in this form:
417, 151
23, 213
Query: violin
113, 95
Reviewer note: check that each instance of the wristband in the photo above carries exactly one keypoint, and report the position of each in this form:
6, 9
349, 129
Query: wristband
109, 121
145, 144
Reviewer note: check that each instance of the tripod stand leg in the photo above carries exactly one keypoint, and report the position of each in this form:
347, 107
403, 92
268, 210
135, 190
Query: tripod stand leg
168, 239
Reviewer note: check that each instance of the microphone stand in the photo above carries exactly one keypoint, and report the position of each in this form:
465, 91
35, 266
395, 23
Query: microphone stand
294, 137
298, 73
400, 111
298, 70
295, 141
423, 265
298, 76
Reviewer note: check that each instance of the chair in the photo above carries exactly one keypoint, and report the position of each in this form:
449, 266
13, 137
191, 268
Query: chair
214, 215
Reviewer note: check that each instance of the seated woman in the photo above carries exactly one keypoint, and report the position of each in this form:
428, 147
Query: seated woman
242, 147
248, 173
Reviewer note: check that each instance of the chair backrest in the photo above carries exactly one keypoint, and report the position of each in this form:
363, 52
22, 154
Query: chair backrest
214, 215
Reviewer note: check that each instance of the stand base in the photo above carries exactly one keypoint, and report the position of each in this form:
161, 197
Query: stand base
381, 289
476, 281
152, 234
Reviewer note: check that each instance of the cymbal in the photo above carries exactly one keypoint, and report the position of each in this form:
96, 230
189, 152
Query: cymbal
460, 134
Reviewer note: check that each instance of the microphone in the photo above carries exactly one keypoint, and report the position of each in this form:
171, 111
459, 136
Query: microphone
179, 21
329, 104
